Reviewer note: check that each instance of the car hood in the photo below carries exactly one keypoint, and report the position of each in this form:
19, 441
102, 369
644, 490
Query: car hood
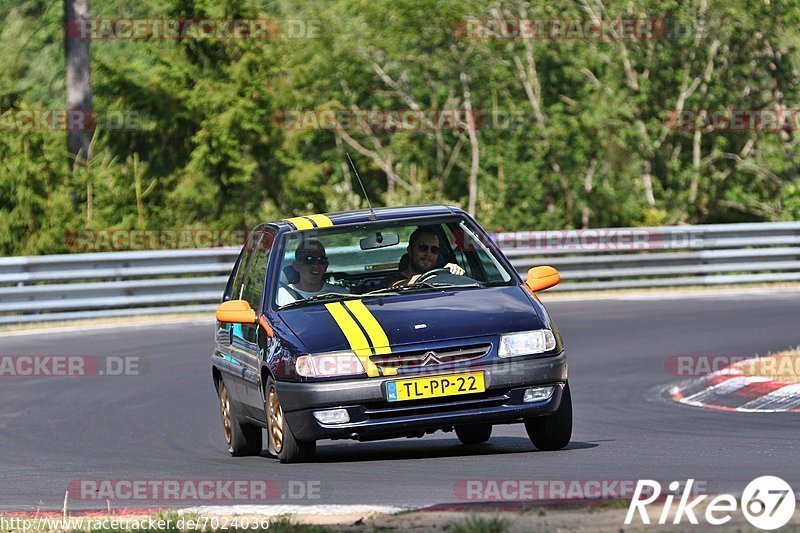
421, 317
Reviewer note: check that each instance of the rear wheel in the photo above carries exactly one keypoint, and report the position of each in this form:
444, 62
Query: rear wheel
474, 433
242, 439
282, 441
552, 432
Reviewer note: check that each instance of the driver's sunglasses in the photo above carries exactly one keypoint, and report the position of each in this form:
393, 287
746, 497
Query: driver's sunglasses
424, 248
318, 259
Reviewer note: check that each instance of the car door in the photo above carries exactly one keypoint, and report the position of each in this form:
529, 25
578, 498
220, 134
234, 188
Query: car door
245, 337
230, 363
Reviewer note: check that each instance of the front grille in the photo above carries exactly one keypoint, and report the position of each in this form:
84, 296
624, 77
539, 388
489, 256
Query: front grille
431, 358
434, 406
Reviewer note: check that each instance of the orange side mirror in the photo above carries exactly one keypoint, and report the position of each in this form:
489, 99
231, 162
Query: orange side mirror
542, 277
236, 312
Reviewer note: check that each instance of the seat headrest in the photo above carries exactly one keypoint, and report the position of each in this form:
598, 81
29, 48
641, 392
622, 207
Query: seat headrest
290, 274
403, 262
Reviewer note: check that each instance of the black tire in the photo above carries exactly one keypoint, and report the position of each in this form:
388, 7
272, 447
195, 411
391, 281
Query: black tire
242, 439
474, 433
552, 432
282, 441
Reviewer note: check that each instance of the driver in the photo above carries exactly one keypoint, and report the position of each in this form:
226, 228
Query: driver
423, 256
311, 263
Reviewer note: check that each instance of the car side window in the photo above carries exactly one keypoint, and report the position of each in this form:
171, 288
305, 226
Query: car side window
238, 276
253, 287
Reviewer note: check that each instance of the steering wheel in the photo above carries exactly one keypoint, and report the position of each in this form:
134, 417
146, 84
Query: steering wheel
431, 274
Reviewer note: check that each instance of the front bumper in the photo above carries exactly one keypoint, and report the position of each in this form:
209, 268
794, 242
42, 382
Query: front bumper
373, 417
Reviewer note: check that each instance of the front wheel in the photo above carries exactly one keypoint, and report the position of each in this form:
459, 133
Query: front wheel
552, 432
282, 441
242, 439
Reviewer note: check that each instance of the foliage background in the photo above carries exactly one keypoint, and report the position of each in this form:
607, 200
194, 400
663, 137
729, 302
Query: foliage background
593, 150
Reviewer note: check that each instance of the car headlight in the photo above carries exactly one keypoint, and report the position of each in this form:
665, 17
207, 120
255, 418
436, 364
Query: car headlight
329, 365
526, 343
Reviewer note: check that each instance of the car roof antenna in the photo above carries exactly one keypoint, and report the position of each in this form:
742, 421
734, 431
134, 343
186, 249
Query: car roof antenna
373, 216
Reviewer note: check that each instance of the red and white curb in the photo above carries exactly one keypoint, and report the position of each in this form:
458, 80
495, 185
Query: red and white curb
730, 390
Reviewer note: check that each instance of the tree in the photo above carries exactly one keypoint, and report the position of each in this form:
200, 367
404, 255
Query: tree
78, 81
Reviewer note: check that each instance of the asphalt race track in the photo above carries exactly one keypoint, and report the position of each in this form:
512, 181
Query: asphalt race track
164, 423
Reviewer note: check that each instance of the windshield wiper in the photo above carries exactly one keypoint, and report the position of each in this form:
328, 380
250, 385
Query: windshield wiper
318, 297
423, 285
441, 285
401, 288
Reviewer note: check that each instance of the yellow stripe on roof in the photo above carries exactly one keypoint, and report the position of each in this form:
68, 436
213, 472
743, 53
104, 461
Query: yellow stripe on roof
321, 221
300, 222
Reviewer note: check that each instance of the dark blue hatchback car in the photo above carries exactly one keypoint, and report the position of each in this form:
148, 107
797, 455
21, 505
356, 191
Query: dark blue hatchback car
379, 324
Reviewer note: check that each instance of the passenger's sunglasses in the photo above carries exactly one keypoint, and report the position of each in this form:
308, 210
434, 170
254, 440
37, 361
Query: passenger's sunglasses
318, 259
422, 247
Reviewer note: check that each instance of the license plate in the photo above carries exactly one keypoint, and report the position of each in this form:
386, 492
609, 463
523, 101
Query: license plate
435, 387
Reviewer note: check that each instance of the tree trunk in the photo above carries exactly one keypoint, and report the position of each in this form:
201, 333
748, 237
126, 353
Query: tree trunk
696, 160
647, 183
348, 184
472, 134
78, 81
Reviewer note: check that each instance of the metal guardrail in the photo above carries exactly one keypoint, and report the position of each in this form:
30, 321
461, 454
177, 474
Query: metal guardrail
74, 286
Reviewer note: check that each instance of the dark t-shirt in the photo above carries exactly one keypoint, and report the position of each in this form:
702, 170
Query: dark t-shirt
391, 279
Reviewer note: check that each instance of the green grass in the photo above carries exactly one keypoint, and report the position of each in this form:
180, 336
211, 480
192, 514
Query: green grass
475, 524
285, 524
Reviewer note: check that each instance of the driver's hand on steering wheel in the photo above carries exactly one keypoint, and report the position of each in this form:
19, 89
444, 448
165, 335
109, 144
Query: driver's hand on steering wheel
454, 269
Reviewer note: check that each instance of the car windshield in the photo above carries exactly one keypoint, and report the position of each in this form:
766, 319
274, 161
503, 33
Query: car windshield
323, 265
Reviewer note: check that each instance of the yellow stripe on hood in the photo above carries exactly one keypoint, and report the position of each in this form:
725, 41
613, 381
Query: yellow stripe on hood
380, 342
355, 337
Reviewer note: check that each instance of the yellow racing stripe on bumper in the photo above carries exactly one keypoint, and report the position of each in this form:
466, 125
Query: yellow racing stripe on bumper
355, 337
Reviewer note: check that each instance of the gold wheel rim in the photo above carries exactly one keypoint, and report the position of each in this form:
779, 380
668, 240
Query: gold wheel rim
225, 411
275, 419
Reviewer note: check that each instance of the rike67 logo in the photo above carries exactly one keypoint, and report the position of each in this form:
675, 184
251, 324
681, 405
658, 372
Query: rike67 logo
767, 502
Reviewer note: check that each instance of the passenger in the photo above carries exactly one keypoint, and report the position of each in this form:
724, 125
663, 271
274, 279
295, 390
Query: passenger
423, 256
311, 263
